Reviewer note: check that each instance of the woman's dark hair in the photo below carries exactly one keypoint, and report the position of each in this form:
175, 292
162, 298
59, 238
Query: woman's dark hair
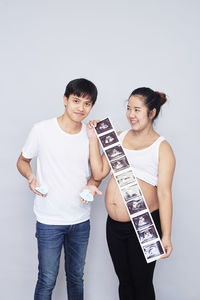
152, 99
82, 88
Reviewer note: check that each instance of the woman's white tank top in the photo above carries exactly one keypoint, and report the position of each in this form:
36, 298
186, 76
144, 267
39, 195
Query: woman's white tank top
145, 161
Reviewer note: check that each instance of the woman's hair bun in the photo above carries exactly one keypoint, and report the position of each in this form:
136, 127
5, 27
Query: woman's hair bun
163, 97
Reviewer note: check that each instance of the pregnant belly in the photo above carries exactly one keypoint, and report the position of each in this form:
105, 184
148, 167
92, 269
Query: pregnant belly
115, 204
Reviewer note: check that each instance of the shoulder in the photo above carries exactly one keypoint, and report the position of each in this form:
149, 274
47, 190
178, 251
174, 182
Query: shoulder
165, 146
166, 152
44, 124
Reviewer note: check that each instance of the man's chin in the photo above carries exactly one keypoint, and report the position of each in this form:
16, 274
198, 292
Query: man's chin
79, 118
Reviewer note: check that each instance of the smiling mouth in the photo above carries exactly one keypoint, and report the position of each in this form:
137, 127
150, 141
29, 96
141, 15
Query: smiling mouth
133, 122
80, 114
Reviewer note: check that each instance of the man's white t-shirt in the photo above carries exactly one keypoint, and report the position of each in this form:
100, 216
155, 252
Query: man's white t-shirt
62, 165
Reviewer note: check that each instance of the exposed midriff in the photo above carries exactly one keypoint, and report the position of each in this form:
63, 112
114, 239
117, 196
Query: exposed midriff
115, 204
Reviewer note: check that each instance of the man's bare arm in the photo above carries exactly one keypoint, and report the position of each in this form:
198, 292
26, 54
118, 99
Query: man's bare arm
24, 167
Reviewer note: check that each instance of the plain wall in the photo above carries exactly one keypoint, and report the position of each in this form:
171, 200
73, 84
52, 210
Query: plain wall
120, 45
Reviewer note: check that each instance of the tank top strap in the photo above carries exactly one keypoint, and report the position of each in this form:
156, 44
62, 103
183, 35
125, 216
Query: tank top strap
122, 135
159, 141
157, 145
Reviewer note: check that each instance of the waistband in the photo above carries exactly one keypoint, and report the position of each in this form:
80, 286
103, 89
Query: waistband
154, 214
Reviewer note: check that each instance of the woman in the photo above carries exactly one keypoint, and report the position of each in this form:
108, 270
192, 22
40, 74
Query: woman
153, 164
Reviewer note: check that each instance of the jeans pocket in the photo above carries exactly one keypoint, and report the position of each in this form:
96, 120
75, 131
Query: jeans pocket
84, 226
48, 235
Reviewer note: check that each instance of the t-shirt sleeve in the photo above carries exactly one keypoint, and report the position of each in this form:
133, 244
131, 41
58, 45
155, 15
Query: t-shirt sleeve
30, 148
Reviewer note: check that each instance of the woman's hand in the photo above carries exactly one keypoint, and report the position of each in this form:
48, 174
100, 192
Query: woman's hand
167, 246
90, 129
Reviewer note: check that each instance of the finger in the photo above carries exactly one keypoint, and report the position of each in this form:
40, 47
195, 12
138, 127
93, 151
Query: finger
84, 201
94, 123
168, 251
36, 183
165, 256
44, 195
35, 191
91, 124
98, 192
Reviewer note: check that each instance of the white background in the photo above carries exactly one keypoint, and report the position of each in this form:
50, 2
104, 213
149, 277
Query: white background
120, 45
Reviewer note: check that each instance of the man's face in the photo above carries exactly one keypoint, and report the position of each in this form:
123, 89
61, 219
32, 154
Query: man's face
77, 108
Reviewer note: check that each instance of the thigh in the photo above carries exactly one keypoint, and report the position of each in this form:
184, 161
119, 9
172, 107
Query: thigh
118, 249
50, 239
141, 271
75, 245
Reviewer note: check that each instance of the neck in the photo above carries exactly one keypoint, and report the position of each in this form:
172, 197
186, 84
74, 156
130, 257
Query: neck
69, 125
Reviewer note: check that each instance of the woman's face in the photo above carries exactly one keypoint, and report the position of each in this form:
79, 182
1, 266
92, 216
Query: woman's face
137, 113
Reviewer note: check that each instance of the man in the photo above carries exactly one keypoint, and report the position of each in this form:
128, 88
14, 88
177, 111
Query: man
62, 150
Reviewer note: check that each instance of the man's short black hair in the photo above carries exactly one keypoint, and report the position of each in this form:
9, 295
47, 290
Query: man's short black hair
82, 87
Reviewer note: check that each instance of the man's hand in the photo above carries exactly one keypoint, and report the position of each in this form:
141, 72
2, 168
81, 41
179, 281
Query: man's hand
33, 183
167, 246
93, 190
90, 129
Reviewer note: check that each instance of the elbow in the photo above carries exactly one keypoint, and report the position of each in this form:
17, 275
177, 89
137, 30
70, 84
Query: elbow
21, 161
98, 177
18, 164
164, 195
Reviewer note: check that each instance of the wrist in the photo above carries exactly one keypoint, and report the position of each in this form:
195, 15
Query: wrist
29, 176
166, 236
93, 138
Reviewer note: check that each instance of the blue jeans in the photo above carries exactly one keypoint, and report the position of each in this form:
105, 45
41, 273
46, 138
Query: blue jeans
50, 240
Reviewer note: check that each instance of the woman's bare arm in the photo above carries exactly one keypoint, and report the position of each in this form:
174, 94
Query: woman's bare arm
165, 176
99, 164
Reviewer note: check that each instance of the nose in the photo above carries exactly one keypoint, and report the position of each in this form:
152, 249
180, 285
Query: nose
132, 113
81, 106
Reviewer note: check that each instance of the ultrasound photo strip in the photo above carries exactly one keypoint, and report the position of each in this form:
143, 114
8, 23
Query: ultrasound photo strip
132, 195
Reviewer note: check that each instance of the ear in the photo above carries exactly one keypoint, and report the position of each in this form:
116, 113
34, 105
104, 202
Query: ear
152, 114
65, 100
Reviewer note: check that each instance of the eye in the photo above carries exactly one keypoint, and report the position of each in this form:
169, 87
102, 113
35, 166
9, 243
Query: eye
76, 100
128, 108
88, 103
